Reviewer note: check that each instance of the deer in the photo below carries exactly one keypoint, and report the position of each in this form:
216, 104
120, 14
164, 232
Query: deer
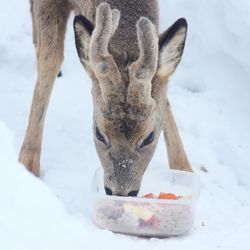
130, 64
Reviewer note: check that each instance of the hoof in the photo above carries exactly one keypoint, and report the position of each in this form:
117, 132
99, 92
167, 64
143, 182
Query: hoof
30, 161
59, 74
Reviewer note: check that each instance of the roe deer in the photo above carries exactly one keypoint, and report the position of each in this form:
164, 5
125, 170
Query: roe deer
130, 64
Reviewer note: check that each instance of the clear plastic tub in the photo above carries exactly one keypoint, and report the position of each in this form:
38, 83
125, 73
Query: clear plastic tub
148, 217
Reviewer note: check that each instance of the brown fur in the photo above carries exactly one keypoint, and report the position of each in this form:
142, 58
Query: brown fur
118, 45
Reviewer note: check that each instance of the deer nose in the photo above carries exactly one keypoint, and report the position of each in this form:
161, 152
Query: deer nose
110, 192
133, 193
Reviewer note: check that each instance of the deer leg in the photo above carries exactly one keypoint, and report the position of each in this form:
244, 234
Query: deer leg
49, 59
176, 153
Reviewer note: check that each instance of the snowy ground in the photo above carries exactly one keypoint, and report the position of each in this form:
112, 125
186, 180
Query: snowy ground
210, 98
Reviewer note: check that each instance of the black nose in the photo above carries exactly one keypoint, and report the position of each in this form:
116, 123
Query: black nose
108, 191
133, 193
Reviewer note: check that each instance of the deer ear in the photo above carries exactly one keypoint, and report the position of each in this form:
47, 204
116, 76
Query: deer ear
83, 30
171, 46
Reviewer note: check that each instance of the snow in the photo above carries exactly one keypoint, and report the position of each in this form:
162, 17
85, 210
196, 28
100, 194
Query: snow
210, 97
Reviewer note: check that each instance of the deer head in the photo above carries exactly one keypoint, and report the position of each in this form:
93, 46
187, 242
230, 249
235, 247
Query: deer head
128, 111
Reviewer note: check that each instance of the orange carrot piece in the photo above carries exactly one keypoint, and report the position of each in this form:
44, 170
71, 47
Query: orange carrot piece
167, 196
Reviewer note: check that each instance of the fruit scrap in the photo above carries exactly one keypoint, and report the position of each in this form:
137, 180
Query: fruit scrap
138, 211
153, 220
167, 196
184, 197
150, 196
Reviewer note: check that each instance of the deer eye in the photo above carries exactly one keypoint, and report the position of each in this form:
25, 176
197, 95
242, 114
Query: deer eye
148, 140
99, 136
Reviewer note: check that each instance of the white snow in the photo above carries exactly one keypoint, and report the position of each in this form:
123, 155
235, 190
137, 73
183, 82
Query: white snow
210, 97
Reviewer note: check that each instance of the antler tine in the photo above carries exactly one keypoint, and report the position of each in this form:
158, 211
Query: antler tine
101, 34
142, 71
148, 45
115, 19
107, 21
102, 62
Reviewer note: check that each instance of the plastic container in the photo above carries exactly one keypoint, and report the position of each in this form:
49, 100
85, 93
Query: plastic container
148, 217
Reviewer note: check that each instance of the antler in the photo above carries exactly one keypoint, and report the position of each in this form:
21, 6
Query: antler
143, 70
101, 61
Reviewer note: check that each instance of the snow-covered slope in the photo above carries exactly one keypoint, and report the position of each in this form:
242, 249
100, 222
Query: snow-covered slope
210, 98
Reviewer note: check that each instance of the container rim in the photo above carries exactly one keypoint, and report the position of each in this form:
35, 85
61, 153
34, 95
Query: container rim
143, 200
149, 200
